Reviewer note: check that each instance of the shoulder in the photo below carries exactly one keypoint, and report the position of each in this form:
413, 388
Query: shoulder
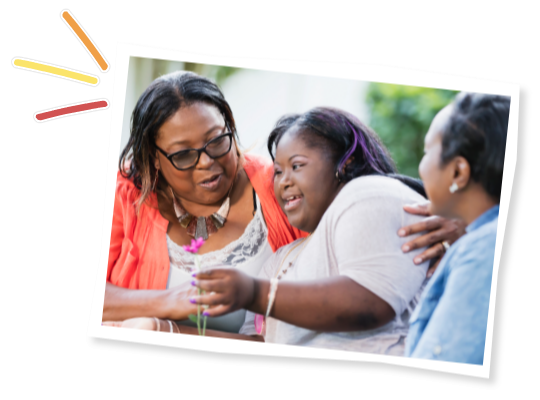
257, 166
372, 186
475, 251
260, 172
376, 191
286, 248
126, 189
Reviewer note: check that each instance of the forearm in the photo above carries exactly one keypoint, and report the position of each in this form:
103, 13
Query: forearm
121, 304
335, 304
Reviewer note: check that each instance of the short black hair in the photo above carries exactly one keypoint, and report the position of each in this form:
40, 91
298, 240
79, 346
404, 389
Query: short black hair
476, 130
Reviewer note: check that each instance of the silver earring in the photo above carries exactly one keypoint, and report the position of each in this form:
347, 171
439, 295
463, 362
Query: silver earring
337, 176
454, 188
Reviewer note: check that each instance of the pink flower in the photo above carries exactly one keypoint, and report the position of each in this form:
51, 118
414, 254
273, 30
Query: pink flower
195, 245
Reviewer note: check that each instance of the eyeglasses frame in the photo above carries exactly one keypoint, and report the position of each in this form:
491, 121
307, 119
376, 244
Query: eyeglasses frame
199, 151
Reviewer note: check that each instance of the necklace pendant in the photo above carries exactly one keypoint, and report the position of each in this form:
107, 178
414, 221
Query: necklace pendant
210, 226
224, 209
185, 220
201, 227
192, 227
201, 230
218, 220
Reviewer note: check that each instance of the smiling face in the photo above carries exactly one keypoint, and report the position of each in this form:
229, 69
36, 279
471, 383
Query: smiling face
438, 178
191, 127
304, 180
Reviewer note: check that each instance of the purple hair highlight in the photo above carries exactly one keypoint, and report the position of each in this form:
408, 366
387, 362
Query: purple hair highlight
359, 139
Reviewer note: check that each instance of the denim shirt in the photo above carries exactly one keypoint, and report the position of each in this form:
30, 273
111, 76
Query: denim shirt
450, 322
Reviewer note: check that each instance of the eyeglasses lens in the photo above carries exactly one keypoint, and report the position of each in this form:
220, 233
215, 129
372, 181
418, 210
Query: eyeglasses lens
219, 147
185, 160
215, 148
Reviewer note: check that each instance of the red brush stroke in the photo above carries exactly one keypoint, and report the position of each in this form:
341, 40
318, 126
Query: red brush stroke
71, 109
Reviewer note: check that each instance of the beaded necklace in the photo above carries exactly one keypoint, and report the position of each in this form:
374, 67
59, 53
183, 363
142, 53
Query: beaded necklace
203, 226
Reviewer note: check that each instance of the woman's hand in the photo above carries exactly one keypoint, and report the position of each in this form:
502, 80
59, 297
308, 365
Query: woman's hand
438, 229
177, 304
227, 290
122, 304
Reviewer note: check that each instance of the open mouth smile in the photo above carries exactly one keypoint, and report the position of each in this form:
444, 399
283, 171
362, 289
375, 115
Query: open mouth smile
212, 182
292, 202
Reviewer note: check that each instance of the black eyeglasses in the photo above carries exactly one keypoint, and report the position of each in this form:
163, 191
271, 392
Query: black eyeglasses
186, 159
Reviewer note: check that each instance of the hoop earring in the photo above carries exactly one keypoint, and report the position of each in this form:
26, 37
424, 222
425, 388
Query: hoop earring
454, 188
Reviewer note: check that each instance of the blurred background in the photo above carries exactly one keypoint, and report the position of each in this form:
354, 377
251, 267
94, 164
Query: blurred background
400, 114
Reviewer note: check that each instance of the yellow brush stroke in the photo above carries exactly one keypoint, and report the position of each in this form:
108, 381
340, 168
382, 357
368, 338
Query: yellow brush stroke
56, 71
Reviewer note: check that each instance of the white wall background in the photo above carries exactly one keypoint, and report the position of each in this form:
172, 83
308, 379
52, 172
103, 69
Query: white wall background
257, 98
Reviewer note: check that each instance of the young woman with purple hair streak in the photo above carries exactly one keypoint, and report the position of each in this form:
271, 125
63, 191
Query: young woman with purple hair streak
347, 285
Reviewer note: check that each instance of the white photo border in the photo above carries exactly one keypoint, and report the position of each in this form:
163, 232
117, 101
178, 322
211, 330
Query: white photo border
364, 72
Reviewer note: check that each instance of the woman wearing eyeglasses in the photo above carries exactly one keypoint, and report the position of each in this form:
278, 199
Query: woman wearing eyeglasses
182, 176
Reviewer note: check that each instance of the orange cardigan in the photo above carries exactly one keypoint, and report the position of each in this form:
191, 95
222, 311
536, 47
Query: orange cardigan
138, 256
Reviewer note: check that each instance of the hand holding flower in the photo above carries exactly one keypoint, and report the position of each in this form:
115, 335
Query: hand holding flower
227, 290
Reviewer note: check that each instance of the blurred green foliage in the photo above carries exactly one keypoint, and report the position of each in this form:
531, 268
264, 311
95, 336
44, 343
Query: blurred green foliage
217, 73
401, 116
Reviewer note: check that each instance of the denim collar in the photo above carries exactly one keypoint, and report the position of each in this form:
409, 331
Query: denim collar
483, 219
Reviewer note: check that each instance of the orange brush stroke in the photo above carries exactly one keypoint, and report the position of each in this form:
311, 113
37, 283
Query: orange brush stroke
86, 40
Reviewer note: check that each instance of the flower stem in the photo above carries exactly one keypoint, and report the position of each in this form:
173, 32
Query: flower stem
204, 326
198, 265
199, 313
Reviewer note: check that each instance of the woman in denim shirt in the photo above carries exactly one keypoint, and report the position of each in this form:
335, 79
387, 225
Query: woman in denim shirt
462, 171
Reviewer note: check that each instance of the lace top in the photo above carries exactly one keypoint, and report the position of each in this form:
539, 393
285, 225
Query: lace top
248, 253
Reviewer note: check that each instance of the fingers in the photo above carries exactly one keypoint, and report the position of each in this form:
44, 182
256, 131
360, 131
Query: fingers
228, 287
217, 285
428, 224
211, 273
211, 299
434, 251
429, 239
418, 209
216, 311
